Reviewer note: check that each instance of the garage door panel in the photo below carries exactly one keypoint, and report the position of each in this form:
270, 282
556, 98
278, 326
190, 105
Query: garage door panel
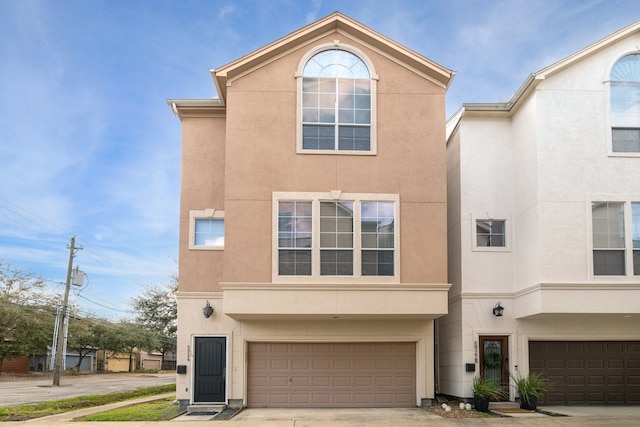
588, 372
332, 375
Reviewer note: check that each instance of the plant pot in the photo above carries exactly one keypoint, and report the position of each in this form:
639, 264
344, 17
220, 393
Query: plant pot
530, 403
481, 404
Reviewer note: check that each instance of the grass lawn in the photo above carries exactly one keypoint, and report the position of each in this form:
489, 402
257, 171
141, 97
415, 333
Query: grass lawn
37, 410
156, 410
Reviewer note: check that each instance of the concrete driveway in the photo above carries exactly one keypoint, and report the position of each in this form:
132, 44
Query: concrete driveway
41, 390
584, 416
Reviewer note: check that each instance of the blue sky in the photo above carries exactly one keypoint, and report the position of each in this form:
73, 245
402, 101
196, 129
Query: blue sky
88, 146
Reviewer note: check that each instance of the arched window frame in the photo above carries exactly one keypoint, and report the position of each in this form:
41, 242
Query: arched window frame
336, 45
610, 123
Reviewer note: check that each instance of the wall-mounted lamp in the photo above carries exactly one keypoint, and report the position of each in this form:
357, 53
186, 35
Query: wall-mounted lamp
207, 310
497, 310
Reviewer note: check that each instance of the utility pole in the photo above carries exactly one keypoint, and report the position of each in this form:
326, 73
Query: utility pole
63, 314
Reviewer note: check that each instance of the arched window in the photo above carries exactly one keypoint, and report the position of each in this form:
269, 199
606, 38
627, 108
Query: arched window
625, 105
336, 103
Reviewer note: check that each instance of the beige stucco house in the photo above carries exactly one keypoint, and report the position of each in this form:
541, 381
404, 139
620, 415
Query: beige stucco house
544, 221
313, 223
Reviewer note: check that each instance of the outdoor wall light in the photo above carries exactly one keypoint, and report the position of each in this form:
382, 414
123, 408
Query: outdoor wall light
497, 310
207, 310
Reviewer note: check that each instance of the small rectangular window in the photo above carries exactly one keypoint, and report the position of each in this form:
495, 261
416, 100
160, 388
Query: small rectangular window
209, 232
206, 229
490, 233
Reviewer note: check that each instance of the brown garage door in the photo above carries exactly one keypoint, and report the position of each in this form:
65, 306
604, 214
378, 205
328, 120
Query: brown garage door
588, 372
332, 375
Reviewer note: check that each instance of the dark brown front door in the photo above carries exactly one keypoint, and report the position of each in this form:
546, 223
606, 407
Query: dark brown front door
494, 360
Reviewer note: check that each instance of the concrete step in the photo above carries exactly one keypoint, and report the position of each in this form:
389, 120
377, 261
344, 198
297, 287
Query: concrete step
508, 405
204, 409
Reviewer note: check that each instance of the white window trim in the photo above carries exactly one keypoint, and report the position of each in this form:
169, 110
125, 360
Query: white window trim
202, 214
484, 216
315, 276
374, 79
629, 276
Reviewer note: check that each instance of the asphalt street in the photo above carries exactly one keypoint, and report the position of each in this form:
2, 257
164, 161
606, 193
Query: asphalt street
42, 390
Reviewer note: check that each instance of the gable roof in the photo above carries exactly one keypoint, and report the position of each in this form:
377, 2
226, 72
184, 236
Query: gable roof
534, 79
225, 75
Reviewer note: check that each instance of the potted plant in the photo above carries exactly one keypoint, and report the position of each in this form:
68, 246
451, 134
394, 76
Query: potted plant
530, 388
483, 391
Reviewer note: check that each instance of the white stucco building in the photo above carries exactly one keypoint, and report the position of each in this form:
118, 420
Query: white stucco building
544, 219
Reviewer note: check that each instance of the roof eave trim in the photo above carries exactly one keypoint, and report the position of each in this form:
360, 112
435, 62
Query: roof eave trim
197, 107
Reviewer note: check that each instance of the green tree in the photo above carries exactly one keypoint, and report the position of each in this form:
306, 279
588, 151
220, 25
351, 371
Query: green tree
26, 314
134, 338
157, 312
83, 337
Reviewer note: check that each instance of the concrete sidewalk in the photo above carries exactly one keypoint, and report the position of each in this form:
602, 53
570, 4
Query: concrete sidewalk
567, 416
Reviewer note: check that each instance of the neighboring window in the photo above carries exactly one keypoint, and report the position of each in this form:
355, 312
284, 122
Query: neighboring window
490, 233
206, 229
614, 248
336, 238
353, 236
635, 238
378, 236
625, 105
294, 238
336, 103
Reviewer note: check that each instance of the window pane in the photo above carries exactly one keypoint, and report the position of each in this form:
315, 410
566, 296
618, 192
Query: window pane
346, 116
377, 263
318, 137
209, 232
310, 115
490, 233
377, 224
294, 262
625, 140
608, 263
608, 225
635, 219
327, 86
336, 224
354, 138
326, 115
336, 63
310, 85
294, 224
336, 263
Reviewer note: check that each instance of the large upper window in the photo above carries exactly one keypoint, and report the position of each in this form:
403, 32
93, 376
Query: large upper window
616, 238
336, 103
321, 236
625, 105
